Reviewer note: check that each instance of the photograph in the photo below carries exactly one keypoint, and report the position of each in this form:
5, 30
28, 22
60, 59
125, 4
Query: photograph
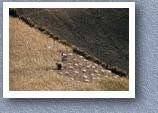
69, 49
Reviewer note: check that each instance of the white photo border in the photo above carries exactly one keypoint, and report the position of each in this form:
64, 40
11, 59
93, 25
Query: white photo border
68, 94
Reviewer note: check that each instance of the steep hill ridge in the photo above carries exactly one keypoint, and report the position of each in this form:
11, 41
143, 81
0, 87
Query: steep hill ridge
102, 33
32, 64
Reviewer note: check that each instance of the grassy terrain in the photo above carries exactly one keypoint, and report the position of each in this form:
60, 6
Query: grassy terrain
102, 33
32, 65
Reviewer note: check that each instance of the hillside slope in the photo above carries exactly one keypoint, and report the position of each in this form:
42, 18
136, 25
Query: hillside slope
102, 33
32, 59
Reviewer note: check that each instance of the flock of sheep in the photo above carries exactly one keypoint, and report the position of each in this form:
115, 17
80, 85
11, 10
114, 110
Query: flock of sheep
82, 70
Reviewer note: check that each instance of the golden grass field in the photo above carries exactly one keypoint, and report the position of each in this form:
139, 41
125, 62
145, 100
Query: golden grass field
30, 59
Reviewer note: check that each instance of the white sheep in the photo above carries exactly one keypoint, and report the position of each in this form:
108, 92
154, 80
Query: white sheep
83, 70
74, 59
98, 78
79, 64
85, 60
92, 74
88, 66
71, 67
108, 71
98, 74
85, 76
72, 78
93, 78
96, 71
76, 64
66, 72
93, 67
102, 71
101, 67
76, 72
86, 80
117, 76
70, 54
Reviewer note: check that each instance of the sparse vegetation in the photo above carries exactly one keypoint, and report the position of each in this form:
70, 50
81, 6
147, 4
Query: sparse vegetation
63, 42
55, 37
103, 64
41, 29
47, 32
82, 53
88, 57
118, 71
78, 51
27, 21
97, 61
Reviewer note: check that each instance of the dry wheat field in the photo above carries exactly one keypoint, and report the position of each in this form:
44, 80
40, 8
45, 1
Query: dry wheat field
32, 65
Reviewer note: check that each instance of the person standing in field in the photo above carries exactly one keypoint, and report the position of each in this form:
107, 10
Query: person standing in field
59, 66
64, 57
